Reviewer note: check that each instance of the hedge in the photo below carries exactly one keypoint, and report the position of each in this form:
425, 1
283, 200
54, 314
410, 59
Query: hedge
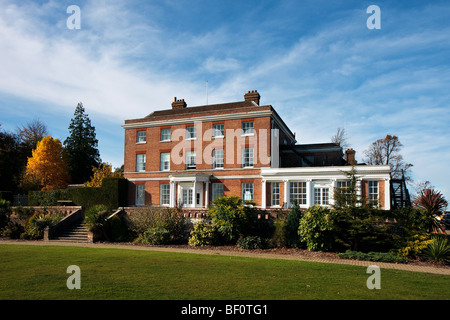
112, 193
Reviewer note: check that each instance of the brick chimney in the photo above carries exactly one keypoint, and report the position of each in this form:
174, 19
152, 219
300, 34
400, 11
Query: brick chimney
350, 156
178, 104
252, 96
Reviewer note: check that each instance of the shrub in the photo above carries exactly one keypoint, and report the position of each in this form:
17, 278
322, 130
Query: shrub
34, 229
95, 219
414, 245
157, 235
143, 219
232, 217
13, 230
5, 212
278, 238
438, 250
251, 243
292, 224
315, 228
372, 256
204, 234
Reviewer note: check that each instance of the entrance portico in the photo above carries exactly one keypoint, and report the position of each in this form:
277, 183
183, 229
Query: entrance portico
189, 190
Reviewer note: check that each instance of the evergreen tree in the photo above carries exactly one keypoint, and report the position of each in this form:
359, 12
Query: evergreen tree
81, 147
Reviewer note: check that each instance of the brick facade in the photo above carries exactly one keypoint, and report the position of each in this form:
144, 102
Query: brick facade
246, 129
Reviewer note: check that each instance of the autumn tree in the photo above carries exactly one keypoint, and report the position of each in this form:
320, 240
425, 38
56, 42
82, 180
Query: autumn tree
81, 146
340, 138
48, 165
104, 170
387, 152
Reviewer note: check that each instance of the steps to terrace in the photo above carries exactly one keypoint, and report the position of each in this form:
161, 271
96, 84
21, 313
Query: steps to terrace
76, 233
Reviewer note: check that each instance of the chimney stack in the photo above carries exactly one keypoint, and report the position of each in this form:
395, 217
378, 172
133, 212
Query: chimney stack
350, 157
252, 96
178, 104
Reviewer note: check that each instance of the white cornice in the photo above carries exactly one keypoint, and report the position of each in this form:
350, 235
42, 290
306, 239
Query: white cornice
220, 117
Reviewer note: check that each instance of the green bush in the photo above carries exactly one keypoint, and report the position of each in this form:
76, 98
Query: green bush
232, 217
316, 228
251, 243
204, 234
34, 229
291, 226
5, 212
278, 238
145, 218
13, 230
438, 250
157, 235
412, 246
95, 219
373, 256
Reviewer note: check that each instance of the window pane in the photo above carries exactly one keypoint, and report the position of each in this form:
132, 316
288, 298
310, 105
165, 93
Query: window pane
165, 134
247, 127
217, 158
141, 136
190, 160
247, 191
247, 157
297, 191
140, 194
217, 190
164, 194
191, 132
140, 162
275, 193
373, 190
165, 161
218, 130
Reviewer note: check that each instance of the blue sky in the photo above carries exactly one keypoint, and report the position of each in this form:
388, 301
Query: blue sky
316, 62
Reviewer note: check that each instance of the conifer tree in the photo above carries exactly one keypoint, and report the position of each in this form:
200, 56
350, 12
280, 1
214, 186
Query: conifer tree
81, 146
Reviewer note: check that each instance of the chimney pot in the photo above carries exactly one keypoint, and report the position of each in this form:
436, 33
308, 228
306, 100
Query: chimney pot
178, 103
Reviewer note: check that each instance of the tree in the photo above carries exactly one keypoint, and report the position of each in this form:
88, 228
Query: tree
387, 152
340, 138
104, 170
81, 146
48, 165
12, 161
433, 202
31, 134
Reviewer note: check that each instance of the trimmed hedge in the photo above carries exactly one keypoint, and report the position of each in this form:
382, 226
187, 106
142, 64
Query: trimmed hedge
112, 194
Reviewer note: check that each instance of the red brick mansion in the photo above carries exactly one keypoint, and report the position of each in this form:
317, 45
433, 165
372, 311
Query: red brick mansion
188, 156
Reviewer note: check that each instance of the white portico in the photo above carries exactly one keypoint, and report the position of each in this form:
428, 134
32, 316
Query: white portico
189, 190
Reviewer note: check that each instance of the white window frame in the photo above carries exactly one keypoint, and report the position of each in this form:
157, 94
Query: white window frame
373, 189
248, 128
275, 194
322, 196
217, 159
164, 194
163, 134
188, 197
247, 157
191, 133
141, 136
165, 161
191, 155
140, 195
140, 165
247, 191
217, 190
298, 192
218, 130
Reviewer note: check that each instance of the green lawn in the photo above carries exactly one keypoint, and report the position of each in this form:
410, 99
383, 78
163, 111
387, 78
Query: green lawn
39, 272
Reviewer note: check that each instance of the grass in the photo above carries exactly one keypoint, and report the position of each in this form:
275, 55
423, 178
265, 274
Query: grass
34, 272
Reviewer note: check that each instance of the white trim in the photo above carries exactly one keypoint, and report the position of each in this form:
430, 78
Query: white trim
229, 116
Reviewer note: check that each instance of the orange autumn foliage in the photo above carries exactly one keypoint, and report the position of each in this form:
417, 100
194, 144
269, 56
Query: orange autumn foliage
48, 164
